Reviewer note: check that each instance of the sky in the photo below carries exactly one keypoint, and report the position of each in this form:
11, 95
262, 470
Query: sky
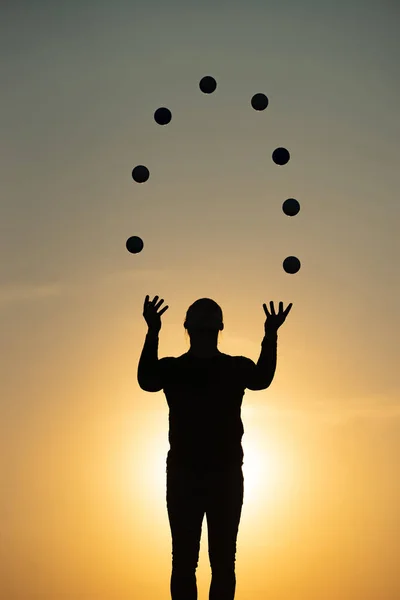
83, 448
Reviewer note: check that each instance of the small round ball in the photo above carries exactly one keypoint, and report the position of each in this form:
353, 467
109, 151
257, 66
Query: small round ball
291, 264
291, 207
162, 116
208, 85
259, 101
280, 156
140, 174
134, 244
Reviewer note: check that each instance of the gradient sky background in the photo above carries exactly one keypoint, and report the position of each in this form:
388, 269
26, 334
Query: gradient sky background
83, 512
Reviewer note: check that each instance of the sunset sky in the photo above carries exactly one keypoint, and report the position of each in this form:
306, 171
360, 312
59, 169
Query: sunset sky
82, 503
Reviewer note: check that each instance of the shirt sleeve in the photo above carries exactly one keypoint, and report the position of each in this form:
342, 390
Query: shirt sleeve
251, 378
158, 377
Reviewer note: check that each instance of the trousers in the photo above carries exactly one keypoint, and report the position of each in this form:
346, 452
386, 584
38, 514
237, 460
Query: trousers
190, 495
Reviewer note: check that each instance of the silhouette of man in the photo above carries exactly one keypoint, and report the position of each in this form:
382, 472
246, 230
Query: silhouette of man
204, 389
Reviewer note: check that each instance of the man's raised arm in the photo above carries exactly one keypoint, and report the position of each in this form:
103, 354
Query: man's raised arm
149, 369
260, 376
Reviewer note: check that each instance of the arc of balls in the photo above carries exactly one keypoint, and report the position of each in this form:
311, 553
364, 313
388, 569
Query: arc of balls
280, 156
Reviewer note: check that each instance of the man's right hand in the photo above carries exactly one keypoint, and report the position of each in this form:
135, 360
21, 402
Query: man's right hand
152, 317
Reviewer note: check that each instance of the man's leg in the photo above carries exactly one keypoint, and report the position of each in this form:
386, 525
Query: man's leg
186, 509
223, 510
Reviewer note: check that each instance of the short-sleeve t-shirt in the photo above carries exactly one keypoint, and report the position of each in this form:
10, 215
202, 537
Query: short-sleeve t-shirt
204, 396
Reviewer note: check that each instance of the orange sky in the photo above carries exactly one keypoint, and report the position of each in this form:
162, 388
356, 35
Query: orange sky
83, 511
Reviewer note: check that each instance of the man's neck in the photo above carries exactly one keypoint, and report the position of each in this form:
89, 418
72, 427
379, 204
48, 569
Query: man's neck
204, 344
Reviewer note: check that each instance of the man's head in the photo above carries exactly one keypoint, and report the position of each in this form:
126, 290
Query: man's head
204, 315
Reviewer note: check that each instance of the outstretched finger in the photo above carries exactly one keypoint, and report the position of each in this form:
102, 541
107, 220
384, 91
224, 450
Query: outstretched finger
288, 309
266, 310
272, 308
157, 306
146, 301
162, 311
280, 307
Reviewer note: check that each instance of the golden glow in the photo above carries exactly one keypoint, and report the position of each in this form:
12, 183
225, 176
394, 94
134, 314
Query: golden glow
262, 471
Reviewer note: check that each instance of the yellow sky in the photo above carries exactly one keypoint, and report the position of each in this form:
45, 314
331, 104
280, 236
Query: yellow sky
83, 448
